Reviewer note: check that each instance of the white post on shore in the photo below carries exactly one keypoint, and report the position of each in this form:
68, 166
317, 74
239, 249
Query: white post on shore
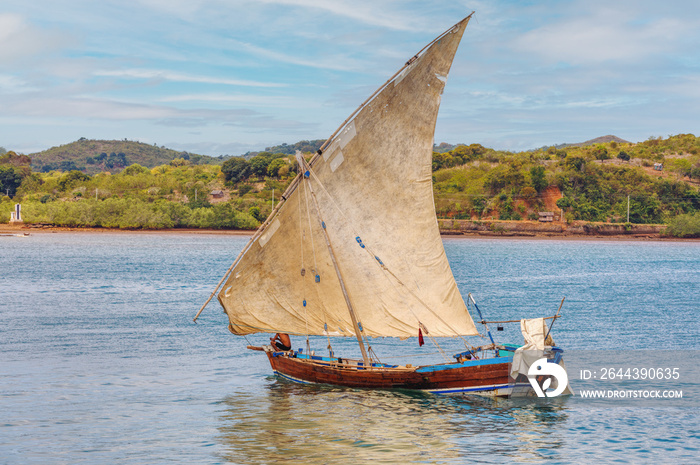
16, 215
628, 208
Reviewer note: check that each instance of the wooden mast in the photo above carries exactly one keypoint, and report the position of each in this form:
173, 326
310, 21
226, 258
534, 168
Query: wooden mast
355, 324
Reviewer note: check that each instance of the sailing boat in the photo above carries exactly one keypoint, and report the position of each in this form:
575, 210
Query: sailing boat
353, 249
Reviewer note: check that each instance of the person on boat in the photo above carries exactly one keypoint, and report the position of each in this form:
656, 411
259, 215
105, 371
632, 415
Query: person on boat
281, 341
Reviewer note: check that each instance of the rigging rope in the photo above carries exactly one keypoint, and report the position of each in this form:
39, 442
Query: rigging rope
425, 330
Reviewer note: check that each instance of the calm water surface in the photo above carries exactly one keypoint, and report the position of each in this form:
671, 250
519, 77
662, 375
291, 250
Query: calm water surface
100, 361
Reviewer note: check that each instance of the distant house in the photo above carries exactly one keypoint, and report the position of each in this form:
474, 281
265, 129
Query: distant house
658, 166
546, 216
217, 194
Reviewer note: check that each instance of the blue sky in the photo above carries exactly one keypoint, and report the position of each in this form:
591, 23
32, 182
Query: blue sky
227, 76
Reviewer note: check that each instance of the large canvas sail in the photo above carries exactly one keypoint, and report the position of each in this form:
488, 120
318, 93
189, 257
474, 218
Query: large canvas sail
371, 190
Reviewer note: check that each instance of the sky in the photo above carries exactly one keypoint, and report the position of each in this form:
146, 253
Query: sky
218, 77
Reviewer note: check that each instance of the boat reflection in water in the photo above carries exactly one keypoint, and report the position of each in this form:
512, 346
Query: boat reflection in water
291, 423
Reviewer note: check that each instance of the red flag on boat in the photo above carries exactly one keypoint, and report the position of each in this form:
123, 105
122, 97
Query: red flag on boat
420, 338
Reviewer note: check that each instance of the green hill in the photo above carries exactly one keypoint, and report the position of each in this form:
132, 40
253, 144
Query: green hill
94, 156
655, 181
304, 146
598, 140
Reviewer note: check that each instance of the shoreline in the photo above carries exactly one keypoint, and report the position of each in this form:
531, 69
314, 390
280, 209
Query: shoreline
28, 229
572, 237
6, 229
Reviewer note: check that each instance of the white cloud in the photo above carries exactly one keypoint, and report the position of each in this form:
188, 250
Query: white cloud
182, 8
607, 34
370, 13
337, 63
19, 40
166, 75
677, 87
96, 109
10, 24
264, 71
88, 108
12, 85
247, 99
396, 15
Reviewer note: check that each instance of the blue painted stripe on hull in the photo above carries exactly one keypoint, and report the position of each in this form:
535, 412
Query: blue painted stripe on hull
476, 389
480, 388
452, 366
291, 378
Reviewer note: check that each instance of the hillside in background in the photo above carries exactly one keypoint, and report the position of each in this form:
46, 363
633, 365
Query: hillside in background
598, 140
304, 146
652, 182
94, 156
443, 147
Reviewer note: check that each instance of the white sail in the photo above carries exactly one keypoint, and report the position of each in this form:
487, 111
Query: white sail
373, 188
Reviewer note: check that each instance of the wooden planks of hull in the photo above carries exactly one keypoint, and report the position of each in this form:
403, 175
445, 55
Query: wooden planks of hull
467, 377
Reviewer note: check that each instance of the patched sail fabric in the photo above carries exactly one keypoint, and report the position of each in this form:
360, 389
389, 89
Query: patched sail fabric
373, 188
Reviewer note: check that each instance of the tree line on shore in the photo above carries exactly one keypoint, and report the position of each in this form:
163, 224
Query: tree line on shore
655, 181
596, 183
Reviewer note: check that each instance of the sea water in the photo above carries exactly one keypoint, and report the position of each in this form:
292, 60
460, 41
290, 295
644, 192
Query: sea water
100, 361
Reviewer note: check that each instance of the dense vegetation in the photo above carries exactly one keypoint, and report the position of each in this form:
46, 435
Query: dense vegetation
685, 225
304, 146
168, 196
93, 156
13, 170
590, 183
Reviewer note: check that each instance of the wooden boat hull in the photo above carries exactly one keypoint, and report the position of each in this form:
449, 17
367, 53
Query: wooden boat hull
487, 377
